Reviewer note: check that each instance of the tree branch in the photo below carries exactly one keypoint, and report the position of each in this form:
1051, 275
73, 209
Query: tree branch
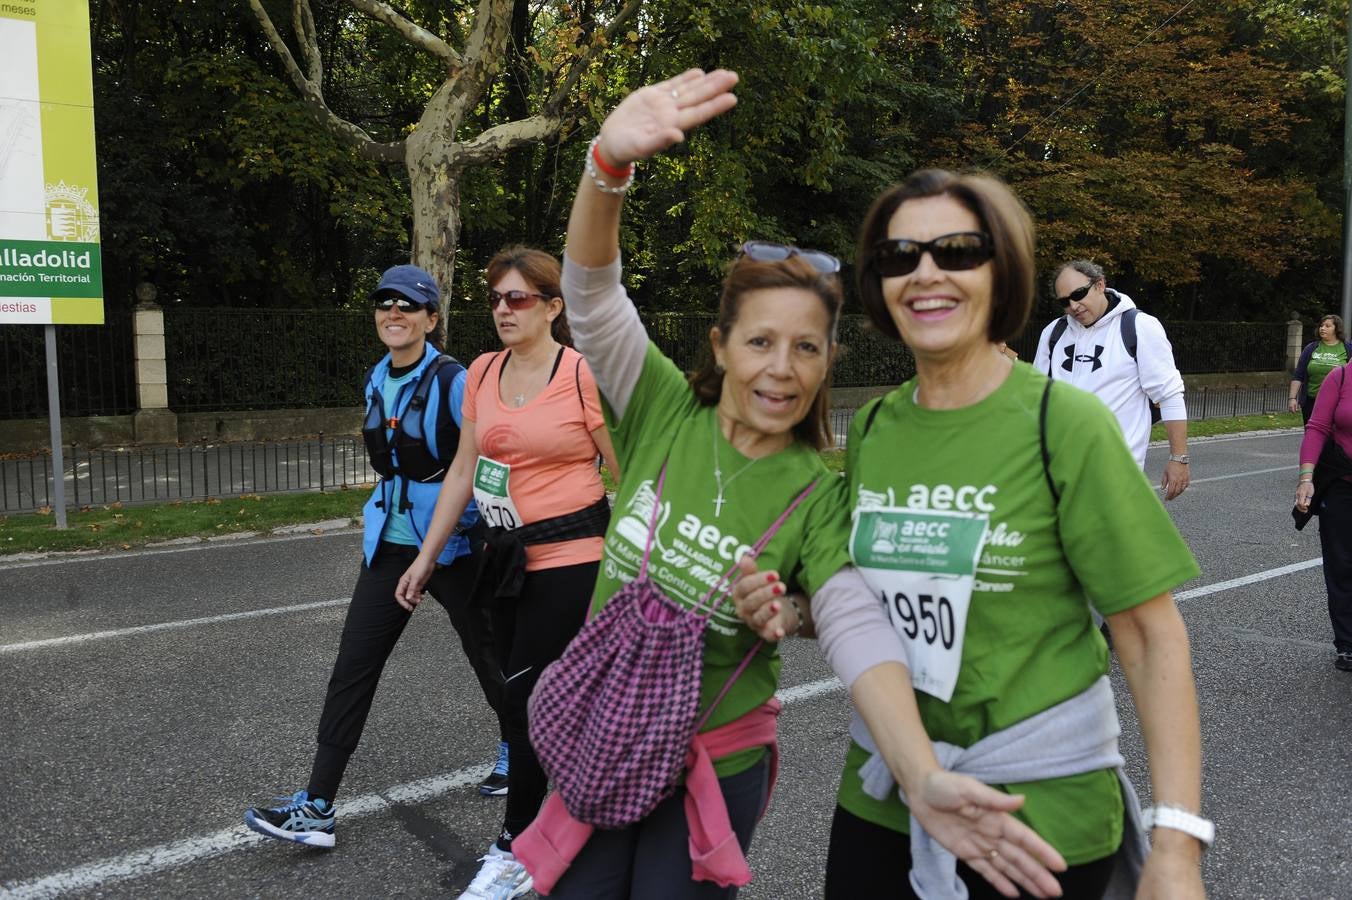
483, 51
310, 93
416, 35
494, 142
580, 63
303, 24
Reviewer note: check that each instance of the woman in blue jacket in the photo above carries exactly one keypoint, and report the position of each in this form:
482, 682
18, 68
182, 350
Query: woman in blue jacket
411, 430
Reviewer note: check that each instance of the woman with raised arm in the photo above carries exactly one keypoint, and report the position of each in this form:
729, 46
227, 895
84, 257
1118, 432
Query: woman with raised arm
529, 441
979, 490
710, 463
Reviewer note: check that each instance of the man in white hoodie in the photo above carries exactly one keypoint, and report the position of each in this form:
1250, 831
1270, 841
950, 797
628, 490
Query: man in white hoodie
1106, 346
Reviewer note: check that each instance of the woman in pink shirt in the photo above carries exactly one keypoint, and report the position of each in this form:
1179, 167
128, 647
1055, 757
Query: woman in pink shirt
1328, 492
530, 437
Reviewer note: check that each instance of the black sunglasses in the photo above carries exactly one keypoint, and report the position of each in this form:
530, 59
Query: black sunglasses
516, 300
769, 251
1076, 295
957, 252
388, 302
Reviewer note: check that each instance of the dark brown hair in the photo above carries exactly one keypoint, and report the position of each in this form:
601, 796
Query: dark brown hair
544, 274
1337, 325
745, 275
1001, 215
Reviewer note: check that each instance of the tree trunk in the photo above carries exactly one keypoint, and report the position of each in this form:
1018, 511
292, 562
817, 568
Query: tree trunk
435, 188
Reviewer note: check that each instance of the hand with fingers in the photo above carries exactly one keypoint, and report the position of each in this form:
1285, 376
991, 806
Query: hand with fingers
655, 117
1175, 480
409, 592
763, 603
973, 822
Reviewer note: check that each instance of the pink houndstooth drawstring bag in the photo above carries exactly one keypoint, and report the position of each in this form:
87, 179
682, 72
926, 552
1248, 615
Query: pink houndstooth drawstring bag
612, 718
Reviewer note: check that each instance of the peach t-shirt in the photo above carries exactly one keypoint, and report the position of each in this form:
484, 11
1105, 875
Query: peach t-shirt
548, 445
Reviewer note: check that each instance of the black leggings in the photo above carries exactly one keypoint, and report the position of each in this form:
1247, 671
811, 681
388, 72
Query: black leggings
868, 860
531, 632
373, 626
1335, 540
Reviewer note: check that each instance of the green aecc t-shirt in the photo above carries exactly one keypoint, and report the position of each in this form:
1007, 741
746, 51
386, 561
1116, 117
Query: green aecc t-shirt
1323, 360
1030, 641
695, 544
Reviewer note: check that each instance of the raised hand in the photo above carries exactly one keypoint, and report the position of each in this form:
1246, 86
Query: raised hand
655, 117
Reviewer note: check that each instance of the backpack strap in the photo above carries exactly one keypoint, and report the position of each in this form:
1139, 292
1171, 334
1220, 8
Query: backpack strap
1059, 329
755, 648
577, 380
1042, 442
1128, 324
874, 405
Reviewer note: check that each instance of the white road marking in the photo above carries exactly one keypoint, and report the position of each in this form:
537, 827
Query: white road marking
153, 860
48, 643
1248, 579
1238, 475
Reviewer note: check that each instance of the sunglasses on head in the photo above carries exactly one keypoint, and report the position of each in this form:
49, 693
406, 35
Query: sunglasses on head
955, 252
516, 300
769, 251
387, 302
1076, 295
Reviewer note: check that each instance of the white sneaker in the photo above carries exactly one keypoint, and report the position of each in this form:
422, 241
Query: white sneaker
500, 878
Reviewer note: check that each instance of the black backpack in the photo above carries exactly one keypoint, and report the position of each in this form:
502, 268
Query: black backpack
1127, 322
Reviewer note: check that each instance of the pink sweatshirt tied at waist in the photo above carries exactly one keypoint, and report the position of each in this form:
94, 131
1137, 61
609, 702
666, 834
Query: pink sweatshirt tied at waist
548, 847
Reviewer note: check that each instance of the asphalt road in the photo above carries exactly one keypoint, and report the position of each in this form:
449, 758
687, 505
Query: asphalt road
147, 698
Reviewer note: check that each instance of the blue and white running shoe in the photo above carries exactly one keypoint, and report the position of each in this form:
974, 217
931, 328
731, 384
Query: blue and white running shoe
298, 819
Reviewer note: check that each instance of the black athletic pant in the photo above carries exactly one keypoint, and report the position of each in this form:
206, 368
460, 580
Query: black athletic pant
373, 626
1335, 539
531, 632
868, 860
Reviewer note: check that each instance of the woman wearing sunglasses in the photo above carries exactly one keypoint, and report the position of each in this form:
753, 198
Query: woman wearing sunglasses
413, 398
529, 443
709, 462
979, 490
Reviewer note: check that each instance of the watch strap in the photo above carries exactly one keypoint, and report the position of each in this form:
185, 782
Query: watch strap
1179, 819
1179, 458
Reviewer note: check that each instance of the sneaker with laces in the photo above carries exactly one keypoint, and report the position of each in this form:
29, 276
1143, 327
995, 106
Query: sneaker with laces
500, 877
296, 818
1343, 662
495, 785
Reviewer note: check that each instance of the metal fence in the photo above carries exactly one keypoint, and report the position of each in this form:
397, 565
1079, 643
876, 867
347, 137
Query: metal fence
97, 369
100, 477
232, 359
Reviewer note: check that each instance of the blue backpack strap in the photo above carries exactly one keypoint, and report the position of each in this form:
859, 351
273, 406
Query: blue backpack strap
1059, 329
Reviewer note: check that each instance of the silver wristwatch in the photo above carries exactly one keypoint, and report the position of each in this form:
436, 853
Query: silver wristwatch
1179, 819
1179, 458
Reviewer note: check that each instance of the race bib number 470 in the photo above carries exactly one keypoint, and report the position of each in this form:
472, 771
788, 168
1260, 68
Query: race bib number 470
922, 563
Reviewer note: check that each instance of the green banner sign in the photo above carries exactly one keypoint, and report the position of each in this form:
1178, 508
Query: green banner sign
50, 264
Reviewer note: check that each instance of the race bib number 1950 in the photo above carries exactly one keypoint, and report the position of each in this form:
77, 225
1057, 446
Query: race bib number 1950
922, 563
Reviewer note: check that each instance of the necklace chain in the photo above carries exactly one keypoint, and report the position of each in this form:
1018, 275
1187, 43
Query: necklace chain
718, 474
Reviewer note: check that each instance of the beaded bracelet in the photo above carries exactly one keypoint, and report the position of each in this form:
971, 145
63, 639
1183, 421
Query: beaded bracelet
595, 166
799, 610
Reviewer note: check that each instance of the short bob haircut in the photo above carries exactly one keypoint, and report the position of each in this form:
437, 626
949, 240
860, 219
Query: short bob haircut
745, 275
1337, 325
544, 274
1000, 214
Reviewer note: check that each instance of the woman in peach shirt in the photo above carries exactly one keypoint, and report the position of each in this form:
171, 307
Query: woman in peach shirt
531, 434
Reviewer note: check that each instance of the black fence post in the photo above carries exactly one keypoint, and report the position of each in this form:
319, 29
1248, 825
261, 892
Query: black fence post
321, 462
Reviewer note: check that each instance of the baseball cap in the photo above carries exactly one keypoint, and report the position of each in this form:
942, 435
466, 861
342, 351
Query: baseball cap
412, 282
